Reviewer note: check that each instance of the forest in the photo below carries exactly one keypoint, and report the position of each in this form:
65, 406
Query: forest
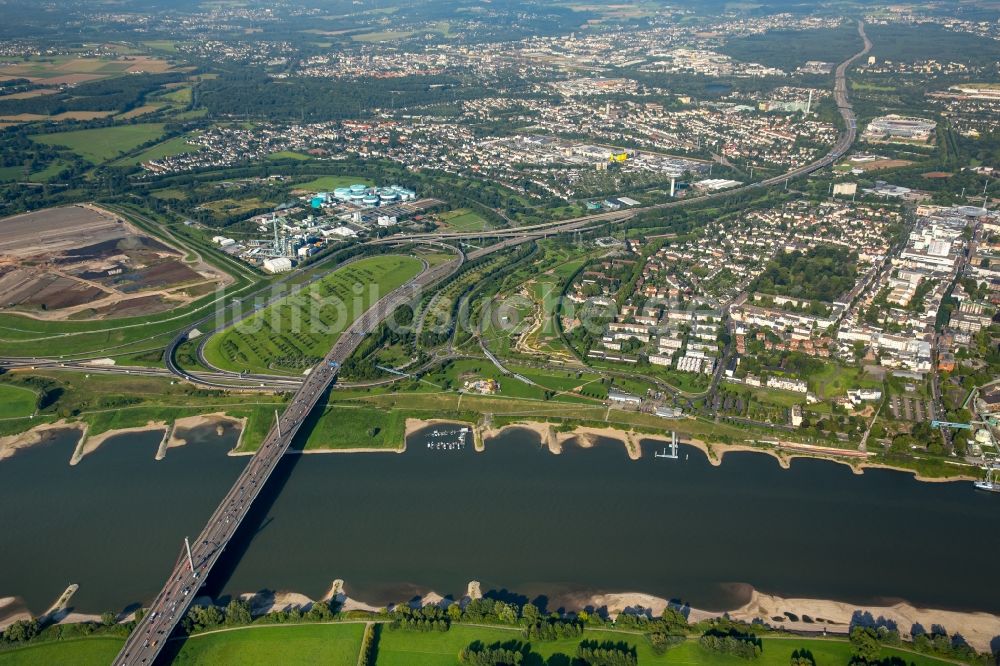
117, 94
821, 273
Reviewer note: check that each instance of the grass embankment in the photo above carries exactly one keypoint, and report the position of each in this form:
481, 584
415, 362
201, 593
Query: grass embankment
111, 402
354, 427
507, 410
338, 644
80, 652
330, 183
16, 401
333, 644
297, 331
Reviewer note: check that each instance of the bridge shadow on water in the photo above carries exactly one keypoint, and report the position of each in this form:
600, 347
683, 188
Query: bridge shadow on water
256, 521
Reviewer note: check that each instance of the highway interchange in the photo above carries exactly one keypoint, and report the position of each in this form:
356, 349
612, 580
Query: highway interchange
148, 638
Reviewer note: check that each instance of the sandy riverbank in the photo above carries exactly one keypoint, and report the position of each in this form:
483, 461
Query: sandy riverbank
90, 444
791, 614
183, 426
583, 436
586, 436
836, 617
12, 609
549, 435
11, 444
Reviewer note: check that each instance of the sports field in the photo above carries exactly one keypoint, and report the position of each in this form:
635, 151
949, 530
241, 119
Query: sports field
297, 331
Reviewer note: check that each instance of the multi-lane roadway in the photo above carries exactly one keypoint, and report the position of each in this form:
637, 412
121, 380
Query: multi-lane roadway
188, 574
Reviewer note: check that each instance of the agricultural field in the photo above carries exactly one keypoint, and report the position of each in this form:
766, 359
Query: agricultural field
66, 115
296, 332
69, 69
143, 110
105, 143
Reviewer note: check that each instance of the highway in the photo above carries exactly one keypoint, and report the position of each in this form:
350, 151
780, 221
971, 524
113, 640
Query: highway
170, 605
844, 141
149, 636
516, 236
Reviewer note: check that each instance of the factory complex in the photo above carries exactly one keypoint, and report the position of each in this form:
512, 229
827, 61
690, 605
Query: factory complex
293, 232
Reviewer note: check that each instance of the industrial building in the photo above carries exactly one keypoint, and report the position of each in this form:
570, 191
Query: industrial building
365, 196
277, 265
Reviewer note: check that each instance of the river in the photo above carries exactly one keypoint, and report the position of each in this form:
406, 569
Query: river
514, 517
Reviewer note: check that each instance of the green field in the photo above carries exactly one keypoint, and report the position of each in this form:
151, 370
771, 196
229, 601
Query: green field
230, 207
40, 176
16, 402
835, 380
97, 651
170, 193
327, 183
398, 648
168, 148
297, 331
105, 143
288, 155
339, 645
385, 36
463, 219
332, 644
355, 426
180, 96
